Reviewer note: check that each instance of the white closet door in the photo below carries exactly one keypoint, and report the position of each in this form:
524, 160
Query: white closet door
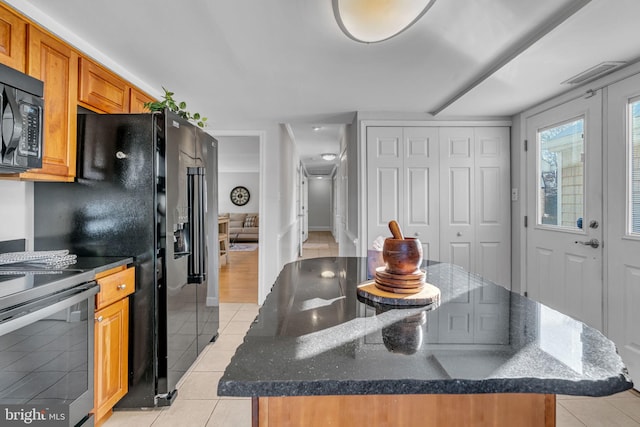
385, 180
475, 201
457, 200
421, 193
493, 205
447, 186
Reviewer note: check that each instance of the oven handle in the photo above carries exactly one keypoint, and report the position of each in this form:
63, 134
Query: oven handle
41, 308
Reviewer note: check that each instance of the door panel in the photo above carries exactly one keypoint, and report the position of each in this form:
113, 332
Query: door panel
623, 230
421, 192
493, 204
564, 194
460, 254
457, 181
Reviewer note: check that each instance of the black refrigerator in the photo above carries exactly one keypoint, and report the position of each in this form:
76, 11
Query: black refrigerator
146, 188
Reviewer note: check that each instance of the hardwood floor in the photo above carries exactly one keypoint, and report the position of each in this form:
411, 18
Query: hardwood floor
319, 244
239, 277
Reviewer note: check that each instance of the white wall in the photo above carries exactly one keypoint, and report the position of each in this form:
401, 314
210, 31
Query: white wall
320, 204
288, 236
228, 181
348, 189
16, 211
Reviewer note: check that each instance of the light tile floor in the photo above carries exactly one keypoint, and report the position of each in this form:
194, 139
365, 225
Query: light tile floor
198, 405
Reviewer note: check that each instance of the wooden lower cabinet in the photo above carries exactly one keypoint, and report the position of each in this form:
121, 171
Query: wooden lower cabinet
406, 410
111, 340
112, 347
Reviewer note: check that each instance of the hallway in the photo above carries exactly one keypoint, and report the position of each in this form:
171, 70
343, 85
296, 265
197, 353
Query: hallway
319, 244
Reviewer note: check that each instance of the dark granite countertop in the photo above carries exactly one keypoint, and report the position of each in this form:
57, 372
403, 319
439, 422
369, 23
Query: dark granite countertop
100, 264
315, 336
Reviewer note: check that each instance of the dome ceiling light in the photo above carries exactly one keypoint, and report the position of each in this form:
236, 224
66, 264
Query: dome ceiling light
371, 21
328, 156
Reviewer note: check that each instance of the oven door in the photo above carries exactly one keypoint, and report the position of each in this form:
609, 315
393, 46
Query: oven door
46, 358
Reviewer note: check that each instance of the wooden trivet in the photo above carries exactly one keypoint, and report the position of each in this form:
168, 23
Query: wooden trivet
399, 283
416, 275
428, 295
398, 290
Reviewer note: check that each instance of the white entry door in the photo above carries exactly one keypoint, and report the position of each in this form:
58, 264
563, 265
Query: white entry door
623, 232
564, 209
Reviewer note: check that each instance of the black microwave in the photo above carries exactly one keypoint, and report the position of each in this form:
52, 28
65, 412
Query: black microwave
21, 112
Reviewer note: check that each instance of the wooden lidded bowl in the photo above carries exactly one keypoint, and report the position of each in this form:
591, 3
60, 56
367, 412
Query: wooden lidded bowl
402, 256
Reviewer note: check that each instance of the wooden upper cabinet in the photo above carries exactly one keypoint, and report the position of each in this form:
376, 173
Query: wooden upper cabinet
100, 89
13, 40
56, 64
138, 100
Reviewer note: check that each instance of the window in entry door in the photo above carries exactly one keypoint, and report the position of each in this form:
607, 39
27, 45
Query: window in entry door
561, 174
634, 166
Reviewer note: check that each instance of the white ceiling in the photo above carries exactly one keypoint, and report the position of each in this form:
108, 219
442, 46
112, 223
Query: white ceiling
287, 61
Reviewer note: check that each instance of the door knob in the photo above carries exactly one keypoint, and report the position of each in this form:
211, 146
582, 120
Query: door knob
594, 243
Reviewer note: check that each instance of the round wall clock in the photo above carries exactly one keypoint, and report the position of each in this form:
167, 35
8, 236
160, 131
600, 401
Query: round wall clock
240, 196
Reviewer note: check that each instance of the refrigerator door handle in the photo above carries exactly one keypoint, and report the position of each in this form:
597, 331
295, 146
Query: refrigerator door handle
196, 205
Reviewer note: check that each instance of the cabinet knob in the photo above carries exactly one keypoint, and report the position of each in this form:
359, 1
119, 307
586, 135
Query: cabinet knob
417, 234
99, 319
121, 286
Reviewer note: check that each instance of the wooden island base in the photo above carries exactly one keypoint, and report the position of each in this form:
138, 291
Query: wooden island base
442, 410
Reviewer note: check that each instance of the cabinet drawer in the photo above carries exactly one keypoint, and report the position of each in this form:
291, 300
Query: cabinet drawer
115, 287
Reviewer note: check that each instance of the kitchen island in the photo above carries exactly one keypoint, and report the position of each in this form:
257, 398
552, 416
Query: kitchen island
318, 354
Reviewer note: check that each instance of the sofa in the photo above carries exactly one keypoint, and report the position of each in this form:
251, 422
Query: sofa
243, 227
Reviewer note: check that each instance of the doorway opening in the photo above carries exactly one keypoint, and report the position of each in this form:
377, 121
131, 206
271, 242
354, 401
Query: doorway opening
239, 204
320, 211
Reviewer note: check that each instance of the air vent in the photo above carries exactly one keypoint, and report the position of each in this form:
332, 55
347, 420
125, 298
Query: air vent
594, 72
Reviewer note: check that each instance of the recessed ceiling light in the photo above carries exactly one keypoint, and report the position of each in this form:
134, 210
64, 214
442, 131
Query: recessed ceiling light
317, 128
328, 156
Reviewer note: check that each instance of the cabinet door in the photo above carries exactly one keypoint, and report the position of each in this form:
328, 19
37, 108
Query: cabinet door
100, 89
137, 101
56, 64
13, 40
111, 338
